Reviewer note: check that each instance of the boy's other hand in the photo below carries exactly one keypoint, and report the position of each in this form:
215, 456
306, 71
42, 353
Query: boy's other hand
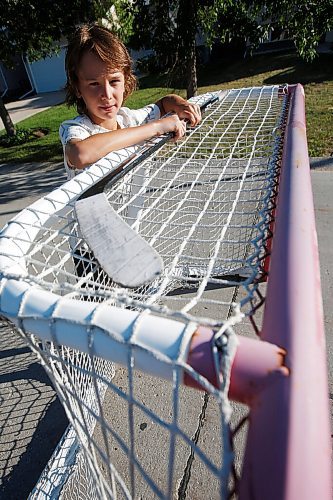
184, 109
189, 112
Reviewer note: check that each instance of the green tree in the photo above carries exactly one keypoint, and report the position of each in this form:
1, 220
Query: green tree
170, 27
118, 16
33, 27
305, 21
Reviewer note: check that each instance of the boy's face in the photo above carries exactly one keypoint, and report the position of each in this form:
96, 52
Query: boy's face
101, 89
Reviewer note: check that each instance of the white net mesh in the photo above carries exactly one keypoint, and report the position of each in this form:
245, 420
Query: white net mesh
205, 204
202, 203
137, 440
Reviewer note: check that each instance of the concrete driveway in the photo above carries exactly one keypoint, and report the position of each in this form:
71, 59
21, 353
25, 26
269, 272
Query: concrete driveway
20, 110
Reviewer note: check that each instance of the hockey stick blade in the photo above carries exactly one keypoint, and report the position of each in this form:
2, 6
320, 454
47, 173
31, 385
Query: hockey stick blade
123, 254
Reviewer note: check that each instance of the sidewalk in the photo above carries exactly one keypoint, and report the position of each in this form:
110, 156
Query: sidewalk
20, 110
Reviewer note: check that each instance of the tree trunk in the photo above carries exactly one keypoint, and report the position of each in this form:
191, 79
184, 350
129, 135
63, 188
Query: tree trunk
187, 29
192, 82
6, 119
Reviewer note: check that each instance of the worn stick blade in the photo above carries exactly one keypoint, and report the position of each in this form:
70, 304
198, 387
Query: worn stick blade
123, 254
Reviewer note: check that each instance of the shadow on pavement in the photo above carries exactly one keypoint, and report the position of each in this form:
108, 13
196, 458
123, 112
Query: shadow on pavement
29, 179
32, 420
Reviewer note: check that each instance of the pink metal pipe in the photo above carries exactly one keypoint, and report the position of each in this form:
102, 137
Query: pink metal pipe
288, 452
257, 364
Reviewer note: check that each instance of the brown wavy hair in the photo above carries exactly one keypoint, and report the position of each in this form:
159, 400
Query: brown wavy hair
106, 46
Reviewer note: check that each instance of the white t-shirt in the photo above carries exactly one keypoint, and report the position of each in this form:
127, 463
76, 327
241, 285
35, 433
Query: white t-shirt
82, 127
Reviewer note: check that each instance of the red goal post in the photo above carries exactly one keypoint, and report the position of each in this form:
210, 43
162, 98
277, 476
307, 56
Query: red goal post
296, 405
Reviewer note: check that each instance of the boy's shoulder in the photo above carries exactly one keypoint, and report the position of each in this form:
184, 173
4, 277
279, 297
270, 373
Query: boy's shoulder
79, 127
78, 120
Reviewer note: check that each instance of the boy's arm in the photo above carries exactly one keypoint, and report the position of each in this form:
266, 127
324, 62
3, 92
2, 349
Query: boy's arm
186, 110
81, 153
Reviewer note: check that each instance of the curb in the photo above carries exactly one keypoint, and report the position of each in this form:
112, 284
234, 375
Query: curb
321, 163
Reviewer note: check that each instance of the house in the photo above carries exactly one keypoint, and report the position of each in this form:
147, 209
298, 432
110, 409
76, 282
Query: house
44, 75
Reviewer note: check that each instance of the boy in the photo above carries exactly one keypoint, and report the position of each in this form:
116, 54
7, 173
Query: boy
99, 79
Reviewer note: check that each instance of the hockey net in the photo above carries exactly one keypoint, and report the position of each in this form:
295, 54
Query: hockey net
206, 204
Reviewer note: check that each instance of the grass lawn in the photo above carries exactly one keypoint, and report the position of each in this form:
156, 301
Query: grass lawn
317, 78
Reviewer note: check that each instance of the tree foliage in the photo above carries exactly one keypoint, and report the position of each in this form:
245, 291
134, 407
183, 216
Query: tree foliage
118, 16
33, 27
170, 27
305, 22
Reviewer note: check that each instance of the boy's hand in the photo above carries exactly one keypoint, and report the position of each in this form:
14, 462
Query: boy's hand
184, 109
172, 124
189, 112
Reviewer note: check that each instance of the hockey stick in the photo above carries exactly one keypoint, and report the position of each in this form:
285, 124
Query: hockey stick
123, 254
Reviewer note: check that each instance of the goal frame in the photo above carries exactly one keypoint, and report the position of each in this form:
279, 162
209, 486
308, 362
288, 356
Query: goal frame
283, 376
